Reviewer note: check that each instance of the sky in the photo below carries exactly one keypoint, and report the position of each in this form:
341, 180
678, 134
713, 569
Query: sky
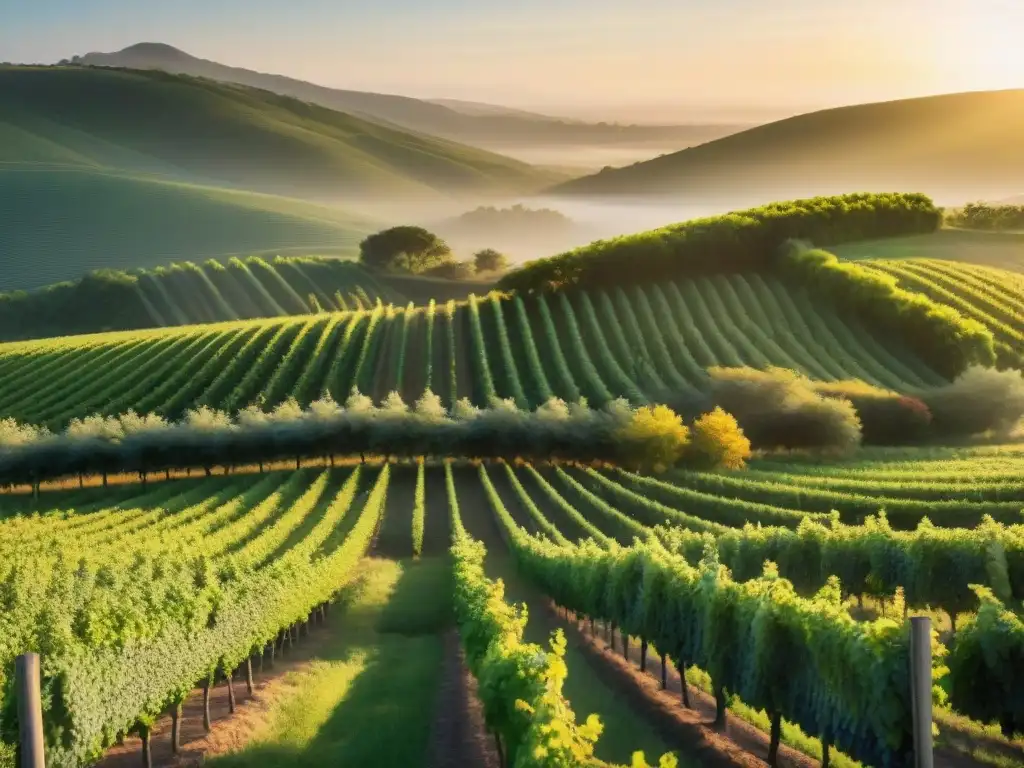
603, 59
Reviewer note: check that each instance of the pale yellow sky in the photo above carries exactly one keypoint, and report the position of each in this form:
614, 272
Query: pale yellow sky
605, 57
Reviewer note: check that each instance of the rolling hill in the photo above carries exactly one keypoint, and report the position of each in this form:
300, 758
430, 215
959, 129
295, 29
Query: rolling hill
57, 223
960, 146
231, 135
643, 344
481, 125
1003, 250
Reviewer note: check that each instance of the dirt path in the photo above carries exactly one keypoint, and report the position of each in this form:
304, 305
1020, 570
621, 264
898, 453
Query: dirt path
459, 737
229, 732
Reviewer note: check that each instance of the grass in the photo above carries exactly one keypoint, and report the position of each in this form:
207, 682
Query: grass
231, 135
58, 223
368, 697
994, 249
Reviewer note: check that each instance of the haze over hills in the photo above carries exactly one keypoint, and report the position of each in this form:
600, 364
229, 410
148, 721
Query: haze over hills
488, 126
237, 136
954, 147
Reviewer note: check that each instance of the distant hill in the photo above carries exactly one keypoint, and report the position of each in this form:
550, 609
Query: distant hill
232, 135
58, 223
480, 108
481, 125
958, 146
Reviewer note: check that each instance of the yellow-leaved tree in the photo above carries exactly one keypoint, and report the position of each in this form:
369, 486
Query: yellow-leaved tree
654, 439
718, 442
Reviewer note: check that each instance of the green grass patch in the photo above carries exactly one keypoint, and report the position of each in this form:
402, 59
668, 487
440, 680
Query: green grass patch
368, 697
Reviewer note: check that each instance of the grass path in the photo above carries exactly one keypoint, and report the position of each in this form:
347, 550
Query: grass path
367, 698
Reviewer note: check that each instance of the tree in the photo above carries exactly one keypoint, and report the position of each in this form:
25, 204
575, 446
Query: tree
717, 442
490, 260
653, 439
450, 269
403, 249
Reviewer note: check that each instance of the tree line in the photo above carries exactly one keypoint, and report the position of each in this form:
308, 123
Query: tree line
644, 438
739, 241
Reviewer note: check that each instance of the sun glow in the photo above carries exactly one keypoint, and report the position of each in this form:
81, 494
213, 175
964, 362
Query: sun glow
984, 46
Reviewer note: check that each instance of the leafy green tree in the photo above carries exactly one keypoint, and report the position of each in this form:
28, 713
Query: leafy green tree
403, 249
490, 260
451, 269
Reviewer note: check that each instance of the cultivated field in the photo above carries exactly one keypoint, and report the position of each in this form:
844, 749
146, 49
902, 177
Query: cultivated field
635, 343
283, 543
350, 572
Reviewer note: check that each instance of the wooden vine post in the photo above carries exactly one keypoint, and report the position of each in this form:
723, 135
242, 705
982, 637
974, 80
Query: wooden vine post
921, 689
30, 712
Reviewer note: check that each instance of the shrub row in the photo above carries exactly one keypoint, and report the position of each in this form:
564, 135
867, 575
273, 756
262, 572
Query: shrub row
206, 438
743, 240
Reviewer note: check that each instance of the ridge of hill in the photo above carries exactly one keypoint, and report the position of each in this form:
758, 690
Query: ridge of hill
488, 126
59, 222
964, 145
233, 135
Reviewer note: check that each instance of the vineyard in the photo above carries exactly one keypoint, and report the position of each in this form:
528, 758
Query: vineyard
641, 344
138, 595
187, 293
993, 297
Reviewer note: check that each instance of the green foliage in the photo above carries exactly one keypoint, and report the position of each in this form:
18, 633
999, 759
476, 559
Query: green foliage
654, 439
987, 216
513, 220
520, 685
451, 269
745, 240
886, 417
207, 438
129, 628
419, 509
985, 666
778, 408
403, 249
490, 260
940, 335
979, 400
758, 639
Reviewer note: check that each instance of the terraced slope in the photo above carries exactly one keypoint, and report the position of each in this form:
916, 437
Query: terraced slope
242, 289
641, 344
994, 297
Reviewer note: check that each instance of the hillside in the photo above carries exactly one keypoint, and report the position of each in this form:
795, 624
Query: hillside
481, 125
646, 345
993, 297
56, 223
186, 292
1002, 250
236, 136
959, 146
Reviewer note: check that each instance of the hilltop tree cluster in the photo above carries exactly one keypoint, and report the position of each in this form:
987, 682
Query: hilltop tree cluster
417, 251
